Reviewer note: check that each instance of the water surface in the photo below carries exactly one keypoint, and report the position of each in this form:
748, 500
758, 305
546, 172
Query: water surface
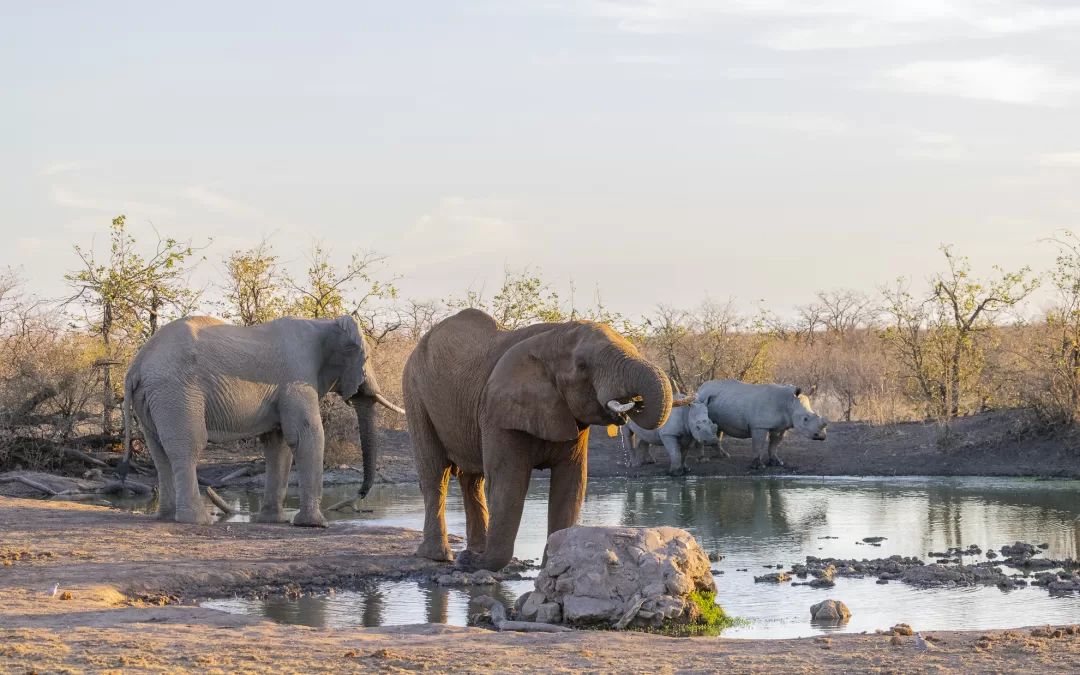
753, 522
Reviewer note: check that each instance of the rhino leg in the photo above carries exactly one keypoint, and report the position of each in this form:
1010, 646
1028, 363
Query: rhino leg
676, 467
760, 440
774, 441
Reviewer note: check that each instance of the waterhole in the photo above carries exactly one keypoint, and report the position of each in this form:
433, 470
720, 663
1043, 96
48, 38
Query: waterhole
753, 523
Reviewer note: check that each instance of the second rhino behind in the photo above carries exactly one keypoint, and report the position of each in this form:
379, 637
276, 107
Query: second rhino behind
761, 412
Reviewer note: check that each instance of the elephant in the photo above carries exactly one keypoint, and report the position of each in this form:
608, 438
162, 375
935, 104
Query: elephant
199, 379
685, 427
488, 404
761, 412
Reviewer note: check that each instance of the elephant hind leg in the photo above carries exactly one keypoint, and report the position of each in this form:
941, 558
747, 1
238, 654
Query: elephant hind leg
433, 467
476, 516
166, 509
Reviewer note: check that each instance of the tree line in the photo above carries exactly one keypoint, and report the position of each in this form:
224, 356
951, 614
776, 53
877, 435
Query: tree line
957, 346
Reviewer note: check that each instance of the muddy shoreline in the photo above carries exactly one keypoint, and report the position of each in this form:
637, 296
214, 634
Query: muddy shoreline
118, 567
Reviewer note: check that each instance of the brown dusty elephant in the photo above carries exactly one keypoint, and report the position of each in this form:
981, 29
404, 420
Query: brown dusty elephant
490, 404
199, 379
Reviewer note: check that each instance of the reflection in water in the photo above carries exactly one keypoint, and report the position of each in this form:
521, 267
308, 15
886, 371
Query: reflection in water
753, 522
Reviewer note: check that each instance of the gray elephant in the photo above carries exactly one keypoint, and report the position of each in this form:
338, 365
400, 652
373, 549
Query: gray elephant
761, 412
486, 404
199, 379
685, 427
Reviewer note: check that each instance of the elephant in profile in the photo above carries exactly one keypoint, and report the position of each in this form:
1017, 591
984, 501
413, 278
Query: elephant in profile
199, 379
489, 404
687, 426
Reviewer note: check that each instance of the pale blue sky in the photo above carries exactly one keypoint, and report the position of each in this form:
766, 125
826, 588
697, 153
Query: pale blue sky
761, 149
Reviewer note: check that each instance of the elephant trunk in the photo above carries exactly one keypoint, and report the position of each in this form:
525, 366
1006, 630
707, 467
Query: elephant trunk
364, 404
365, 416
655, 391
637, 377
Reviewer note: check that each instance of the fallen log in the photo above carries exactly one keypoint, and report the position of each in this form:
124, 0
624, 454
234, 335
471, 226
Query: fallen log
498, 617
29, 483
249, 470
89, 459
115, 486
219, 502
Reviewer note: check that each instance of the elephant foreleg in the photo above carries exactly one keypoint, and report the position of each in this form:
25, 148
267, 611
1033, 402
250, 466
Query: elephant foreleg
567, 490
476, 517
302, 428
279, 458
508, 468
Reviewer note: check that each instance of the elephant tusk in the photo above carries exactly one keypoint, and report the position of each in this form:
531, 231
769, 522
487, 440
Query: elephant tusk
620, 408
680, 402
388, 404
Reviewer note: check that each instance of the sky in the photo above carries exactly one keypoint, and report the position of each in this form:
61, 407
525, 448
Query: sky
661, 151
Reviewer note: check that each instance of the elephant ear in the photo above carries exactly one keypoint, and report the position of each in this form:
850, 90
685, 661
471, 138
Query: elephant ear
521, 394
351, 359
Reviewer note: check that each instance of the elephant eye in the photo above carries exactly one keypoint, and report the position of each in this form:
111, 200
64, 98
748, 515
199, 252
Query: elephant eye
582, 366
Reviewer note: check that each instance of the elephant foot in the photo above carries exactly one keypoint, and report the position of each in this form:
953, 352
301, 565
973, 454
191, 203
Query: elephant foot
271, 516
774, 461
311, 518
438, 551
167, 515
193, 516
682, 471
757, 463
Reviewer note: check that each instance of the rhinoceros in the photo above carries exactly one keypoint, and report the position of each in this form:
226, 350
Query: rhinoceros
685, 426
761, 412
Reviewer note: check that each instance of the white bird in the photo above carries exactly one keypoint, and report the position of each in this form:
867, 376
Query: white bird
922, 645
53, 590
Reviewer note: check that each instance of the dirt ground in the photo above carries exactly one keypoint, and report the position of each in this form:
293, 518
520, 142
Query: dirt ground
114, 568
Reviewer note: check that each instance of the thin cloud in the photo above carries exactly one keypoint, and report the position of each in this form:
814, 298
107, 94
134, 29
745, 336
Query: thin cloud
64, 198
202, 194
999, 79
460, 226
65, 166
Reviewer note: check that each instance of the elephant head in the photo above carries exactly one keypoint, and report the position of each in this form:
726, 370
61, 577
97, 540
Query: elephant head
355, 382
567, 377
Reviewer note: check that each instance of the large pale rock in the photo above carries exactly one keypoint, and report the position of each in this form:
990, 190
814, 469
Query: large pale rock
619, 576
832, 611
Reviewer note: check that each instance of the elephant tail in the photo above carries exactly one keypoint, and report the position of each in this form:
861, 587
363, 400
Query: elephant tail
124, 467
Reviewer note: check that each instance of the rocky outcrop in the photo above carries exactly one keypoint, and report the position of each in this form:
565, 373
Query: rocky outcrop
619, 576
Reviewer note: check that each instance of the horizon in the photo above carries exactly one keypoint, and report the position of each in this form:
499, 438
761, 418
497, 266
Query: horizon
663, 152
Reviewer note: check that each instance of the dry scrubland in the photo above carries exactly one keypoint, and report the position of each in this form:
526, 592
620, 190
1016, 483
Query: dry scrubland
935, 351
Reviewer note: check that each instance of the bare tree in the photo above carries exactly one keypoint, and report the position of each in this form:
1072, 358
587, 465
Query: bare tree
843, 311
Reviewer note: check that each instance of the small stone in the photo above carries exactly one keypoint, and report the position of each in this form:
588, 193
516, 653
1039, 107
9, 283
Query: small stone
902, 629
896, 640
715, 556
549, 612
775, 577
66, 595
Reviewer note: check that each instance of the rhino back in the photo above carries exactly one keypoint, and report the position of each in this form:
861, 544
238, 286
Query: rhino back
737, 407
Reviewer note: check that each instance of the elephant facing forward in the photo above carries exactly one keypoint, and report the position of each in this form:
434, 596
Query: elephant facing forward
490, 404
199, 379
